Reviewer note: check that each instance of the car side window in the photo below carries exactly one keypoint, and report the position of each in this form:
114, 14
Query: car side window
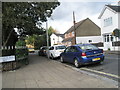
51, 48
75, 49
68, 49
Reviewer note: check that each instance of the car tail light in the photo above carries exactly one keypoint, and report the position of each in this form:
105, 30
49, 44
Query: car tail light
83, 55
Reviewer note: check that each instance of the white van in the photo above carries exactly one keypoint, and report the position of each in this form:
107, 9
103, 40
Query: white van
55, 51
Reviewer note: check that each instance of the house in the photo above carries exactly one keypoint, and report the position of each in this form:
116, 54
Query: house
85, 31
110, 20
56, 39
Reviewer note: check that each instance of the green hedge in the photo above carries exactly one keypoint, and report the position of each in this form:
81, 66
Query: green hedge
21, 50
21, 53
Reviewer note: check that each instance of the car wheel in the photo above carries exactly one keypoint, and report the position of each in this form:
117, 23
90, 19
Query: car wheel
76, 63
101, 62
61, 59
52, 57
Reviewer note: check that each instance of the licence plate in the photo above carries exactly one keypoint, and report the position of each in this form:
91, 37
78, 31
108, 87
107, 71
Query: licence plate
95, 59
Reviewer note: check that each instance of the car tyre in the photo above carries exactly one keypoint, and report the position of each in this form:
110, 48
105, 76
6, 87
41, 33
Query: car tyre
61, 59
76, 63
101, 62
52, 57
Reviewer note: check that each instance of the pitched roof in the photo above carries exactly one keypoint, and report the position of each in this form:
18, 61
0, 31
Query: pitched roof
60, 35
76, 26
68, 39
115, 8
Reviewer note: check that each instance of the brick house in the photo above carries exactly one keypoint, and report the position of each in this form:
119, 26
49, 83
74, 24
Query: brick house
86, 32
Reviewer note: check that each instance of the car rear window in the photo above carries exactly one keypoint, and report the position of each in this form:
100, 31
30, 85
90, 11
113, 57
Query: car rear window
88, 47
60, 47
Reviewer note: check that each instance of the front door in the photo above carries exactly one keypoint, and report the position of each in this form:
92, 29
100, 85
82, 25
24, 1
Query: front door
108, 42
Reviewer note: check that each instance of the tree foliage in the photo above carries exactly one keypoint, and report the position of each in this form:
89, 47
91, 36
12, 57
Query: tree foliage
27, 17
40, 40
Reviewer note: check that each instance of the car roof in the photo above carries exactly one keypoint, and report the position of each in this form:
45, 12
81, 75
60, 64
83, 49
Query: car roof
82, 44
58, 45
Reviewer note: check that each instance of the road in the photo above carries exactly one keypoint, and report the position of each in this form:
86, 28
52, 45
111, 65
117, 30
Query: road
108, 69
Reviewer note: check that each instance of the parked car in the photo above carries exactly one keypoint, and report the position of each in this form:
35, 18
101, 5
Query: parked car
31, 50
55, 51
42, 51
82, 54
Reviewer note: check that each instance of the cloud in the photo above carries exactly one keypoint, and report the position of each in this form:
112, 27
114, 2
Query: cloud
63, 15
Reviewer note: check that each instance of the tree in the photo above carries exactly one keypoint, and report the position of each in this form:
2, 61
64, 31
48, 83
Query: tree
27, 17
39, 40
52, 30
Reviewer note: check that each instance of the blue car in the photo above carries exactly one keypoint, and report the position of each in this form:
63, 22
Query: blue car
82, 54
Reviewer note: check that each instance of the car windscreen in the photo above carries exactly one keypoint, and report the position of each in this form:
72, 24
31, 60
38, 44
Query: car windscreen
88, 47
60, 47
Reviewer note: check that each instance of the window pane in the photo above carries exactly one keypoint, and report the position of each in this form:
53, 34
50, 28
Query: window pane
107, 38
88, 47
111, 38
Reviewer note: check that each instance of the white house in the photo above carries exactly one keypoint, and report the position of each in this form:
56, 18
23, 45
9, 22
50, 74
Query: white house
56, 39
110, 20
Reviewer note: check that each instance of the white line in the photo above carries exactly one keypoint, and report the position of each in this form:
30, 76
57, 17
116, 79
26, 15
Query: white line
112, 75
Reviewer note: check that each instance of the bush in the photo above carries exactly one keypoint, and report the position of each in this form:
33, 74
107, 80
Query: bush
21, 50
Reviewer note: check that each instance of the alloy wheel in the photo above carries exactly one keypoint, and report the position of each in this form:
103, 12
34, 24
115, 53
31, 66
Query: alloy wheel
61, 59
76, 63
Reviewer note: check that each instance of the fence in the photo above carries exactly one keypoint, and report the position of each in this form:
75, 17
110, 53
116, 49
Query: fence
13, 57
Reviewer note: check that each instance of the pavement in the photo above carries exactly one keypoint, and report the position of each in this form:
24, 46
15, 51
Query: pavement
46, 73
112, 52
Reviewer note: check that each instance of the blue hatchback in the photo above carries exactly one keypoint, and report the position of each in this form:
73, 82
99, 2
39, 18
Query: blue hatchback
82, 54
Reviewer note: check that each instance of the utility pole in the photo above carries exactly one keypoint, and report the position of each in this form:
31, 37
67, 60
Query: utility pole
47, 34
74, 26
0, 29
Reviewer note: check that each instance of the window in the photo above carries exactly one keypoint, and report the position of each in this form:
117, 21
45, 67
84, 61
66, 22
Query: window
73, 33
74, 49
88, 47
111, 37
60, 47
108, 21
105, 38
68, 49
108, 38
51, 48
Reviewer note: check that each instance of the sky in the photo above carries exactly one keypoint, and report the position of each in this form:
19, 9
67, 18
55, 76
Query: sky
62, 17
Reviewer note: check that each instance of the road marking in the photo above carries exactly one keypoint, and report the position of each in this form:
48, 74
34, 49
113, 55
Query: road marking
108, 74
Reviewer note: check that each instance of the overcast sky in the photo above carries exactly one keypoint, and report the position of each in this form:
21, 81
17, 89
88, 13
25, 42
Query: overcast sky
63, 14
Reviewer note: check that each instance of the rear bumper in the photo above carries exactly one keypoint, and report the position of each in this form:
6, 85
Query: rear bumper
85, 61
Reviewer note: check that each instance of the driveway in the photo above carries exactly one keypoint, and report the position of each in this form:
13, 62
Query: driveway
46, 73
